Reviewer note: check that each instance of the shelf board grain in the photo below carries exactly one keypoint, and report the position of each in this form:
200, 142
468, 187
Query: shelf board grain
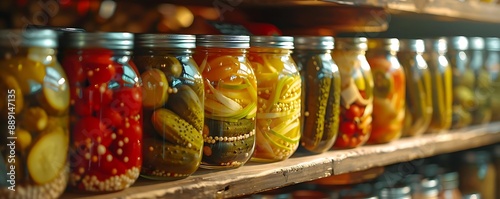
302, 167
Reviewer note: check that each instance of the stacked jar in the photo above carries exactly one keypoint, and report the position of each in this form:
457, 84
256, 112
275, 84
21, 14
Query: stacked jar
321, 92
492, 63
279, 89
389, 90
356, 103
481, 114
106, 111
173, 96
34, 107
230, 100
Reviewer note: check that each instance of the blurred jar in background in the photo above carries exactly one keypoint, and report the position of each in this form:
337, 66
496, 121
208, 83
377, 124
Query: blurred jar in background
463, 82
418, 87
441, 81
477, 174
449, 186
482, 88
396, 192
389, 90
356, 103
492, 64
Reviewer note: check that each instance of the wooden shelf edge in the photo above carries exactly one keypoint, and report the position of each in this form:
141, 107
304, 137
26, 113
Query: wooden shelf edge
256, 177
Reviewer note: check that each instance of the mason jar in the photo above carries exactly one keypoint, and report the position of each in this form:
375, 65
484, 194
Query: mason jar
396, 192
492, 64
356, 97
481, 114
34, 107
463, 82
389, 90
279, 98
230, 100
172, 104
418, 87
449, 186
321, 92
478, 174
441, 81
106, 111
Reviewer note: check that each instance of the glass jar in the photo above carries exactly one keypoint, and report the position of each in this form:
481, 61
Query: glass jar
429, 189
463, 82
441, 81
230, 100
34, 107
389, 90
471, 196
449, 186
418, 87
356, 102
279, 98
106, 112
321, 92
496, 162
172, 104
477, 174
397, 192
492, 64
481, 114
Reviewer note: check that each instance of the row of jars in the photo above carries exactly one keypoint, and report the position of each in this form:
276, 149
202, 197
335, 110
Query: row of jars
161, 105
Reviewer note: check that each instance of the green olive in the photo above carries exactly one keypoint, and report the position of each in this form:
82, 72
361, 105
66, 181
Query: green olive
383, 84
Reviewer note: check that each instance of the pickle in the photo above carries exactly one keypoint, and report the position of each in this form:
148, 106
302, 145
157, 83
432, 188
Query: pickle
384, 83
225, 128
155, 86
35, 119
11, 95
30, 74
175, 129
172, 68
47, 157
175, 160
54, 97
187, 105
226, 152
23, 139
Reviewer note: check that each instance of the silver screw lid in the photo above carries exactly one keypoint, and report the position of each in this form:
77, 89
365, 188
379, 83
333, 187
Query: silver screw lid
449, 180
492, 44
165, 41
111, 40
476, 43
351, 43
45, 38
223, 41
402, 192
430, 187
458, 43
471, 196
414, 45
391, 44
284, 42
314, 42
438, 44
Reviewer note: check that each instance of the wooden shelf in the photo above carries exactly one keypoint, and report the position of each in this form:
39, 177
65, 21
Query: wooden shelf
302, 167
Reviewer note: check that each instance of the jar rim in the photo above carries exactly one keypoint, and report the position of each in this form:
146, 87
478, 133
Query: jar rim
314, 42
223, 41
415, 45
390, 44
284, 42
13, 38
110, 40
182, 41
351, 43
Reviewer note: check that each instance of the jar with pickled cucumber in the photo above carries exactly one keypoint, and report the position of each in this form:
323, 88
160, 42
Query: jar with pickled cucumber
34, 120
481, 114
441, 81
106, 111
356, 97
388, 91
492, 64
463, 79
320, 92
278, 98
418, 87
172, 102
230, 100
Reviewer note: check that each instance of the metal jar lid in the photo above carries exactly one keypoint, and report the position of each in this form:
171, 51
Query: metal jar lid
438, 44
396, 192
476, 43
492, 43
413, 45
458, 43
314, 42
351, 43
28, 38
164, 41
284, 42
390, 44
111, 40
223, 41
449, 180
471, 196
430, 187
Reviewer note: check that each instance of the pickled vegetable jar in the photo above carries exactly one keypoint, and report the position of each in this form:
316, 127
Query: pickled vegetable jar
34, 107
320, 92
172, 105
477, 174
389, 90
492, 63
449, 186
463, 82
481, 114
356, 102
441, 81
106, 111
230, 100
279, 98
418, 87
